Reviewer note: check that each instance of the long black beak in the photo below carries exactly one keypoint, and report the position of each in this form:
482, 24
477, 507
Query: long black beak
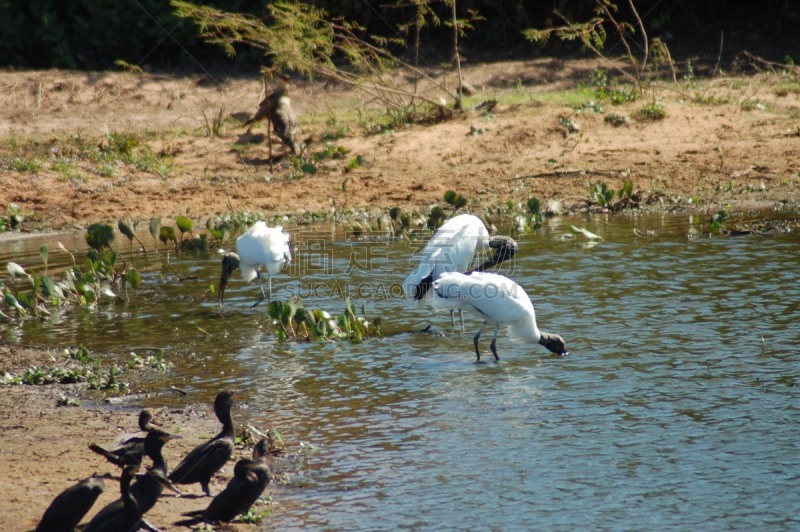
223, 281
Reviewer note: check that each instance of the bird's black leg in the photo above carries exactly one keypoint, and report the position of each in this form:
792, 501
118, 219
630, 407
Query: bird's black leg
493, 345
475, 341
263, 297
206, 488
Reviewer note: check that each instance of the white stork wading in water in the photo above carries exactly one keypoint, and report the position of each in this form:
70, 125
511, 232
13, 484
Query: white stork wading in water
498, 300
259, 247
451, 249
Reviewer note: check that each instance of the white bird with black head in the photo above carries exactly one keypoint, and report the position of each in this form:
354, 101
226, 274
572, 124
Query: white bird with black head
451, 249
498, 300
259, 247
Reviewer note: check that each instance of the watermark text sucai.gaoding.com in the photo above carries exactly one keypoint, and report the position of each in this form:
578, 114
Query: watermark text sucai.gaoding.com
315, 255
343, 289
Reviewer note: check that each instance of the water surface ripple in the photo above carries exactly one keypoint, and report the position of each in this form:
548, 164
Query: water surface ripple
676, 409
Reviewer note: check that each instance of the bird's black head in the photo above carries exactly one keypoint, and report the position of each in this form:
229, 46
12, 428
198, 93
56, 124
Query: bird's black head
261, 449
554, 343
155, 440
145, 416
230, 263
223, 402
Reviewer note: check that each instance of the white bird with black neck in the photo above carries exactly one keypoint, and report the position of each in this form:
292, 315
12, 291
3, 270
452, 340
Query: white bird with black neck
451, 249
499, 301
259, 247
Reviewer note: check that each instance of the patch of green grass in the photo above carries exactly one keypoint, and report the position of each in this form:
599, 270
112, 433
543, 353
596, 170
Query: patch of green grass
615, 119
243, 147
105, 170
22, 164
651, 112
752, 104
334, 130
703, 99
66, 170
787, 87
72, 157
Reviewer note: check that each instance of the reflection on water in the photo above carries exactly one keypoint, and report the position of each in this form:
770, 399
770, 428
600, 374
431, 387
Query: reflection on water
677, 407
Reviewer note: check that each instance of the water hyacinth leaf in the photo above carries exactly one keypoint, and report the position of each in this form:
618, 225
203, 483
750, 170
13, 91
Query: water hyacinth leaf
133, 278
155, 230
275, 310
44, 254
125, 228
300, 315
588, 234
185, 225
627, 189
275, 439
106, 291
15, 270
167, 234
99, 236
27, 300
11, 301
50, 288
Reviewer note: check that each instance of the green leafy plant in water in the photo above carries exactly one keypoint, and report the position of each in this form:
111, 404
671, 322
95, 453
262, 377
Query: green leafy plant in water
128, 228
185, 225
167, 234
608, 198
155, 230
535, 213
400, 220
97, 277
109, 381
436, 218
718, 222
292, 320
455, 200
80, 353
99, 236
255, 517
156, 361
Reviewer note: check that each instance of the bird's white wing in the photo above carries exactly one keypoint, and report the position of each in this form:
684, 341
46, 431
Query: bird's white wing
496, 298
262, 246
450, 249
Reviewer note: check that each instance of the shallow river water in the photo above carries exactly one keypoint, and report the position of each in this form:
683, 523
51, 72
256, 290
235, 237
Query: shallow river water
677, 407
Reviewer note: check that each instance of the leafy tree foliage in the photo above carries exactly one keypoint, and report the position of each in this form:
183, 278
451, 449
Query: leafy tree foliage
93, 34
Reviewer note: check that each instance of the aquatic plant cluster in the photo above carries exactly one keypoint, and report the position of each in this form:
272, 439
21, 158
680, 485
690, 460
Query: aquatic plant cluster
79, 366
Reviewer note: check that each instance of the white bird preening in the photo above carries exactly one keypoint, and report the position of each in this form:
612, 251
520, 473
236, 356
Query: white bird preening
451, 249
259, 247
498, 300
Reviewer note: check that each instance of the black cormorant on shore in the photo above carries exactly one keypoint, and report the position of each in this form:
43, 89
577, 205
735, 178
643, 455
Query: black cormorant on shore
69, 507
205, 460
128, 449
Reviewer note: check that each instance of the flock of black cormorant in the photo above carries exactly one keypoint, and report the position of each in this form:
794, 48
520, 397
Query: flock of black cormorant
138, 494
